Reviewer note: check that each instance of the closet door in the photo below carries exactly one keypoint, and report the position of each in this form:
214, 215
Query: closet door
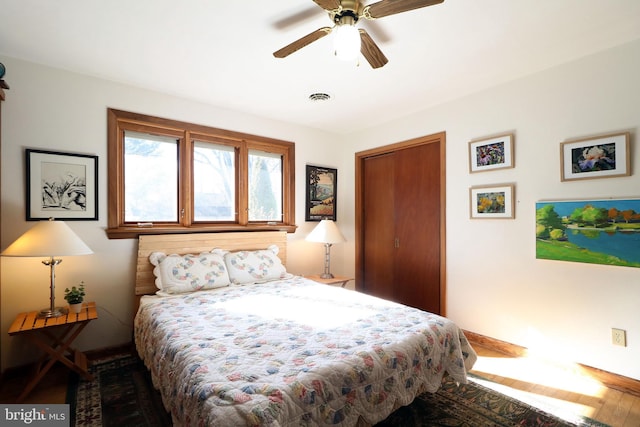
400, 223
417, 227
379, 226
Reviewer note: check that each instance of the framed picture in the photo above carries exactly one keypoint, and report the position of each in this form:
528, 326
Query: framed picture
490, 154
595, 231
598, 157
492, 202
322, 184
61, 186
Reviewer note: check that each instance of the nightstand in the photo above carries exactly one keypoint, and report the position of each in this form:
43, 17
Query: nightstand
336, 280
55, 335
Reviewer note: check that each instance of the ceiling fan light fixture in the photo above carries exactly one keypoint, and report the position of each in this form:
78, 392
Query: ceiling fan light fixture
346, 42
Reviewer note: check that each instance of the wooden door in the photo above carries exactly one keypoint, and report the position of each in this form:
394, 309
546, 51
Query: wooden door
400, 223
379, 226
417, 227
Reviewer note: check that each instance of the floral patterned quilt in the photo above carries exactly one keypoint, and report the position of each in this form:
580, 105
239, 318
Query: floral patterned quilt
293, 352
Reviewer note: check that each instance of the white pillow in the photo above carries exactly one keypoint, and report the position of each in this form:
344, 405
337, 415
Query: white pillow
177, 274
255, 266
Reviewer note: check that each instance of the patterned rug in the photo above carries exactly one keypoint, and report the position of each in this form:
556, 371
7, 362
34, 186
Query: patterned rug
122, 395
474, 405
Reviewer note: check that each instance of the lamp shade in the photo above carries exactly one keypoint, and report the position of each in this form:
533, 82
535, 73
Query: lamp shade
48, 239
326, 232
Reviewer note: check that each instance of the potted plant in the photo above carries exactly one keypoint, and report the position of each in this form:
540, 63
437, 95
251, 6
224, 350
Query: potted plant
74, 297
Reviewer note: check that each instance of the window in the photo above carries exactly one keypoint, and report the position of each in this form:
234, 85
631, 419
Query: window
214, 182
265, 186
150, 187
170, 176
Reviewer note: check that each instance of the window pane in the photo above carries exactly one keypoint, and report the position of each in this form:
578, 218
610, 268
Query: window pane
214, 182
265, 186
150, 178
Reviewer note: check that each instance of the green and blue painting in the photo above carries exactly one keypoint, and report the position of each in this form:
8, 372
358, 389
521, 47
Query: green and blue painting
591, 231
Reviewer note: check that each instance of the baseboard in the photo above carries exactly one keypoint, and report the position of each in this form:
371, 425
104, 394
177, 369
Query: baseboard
611, 380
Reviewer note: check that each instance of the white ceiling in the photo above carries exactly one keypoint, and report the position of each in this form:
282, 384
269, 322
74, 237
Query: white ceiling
220, 52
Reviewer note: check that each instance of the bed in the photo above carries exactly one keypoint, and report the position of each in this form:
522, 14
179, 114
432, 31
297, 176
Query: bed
231, 338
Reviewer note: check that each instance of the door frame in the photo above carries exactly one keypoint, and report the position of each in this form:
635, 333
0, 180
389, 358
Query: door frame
360, 158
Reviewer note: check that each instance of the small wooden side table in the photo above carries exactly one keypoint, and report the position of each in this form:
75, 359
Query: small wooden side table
335, 280
41, 331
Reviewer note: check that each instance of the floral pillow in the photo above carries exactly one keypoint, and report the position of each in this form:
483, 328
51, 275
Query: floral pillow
255, 266
176, 274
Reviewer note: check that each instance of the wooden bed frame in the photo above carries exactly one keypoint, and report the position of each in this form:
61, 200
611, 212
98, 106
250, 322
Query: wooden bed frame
199, 242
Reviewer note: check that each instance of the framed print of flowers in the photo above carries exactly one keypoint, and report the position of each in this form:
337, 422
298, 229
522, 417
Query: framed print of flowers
492, 153
492, 202
597, 157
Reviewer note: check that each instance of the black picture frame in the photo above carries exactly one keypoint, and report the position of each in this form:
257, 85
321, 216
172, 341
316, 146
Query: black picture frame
321, 193
61, 185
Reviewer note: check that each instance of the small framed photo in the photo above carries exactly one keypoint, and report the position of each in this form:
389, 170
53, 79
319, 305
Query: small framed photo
490, 154
61, 185
322, 185
604, 156
492, 202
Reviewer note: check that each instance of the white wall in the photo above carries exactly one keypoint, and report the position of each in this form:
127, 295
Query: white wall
496, 286
61, 111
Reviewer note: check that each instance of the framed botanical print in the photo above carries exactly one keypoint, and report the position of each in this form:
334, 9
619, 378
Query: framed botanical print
490, 154
598, 157
492, 202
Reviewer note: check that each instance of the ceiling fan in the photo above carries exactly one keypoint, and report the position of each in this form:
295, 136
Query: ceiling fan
345, 15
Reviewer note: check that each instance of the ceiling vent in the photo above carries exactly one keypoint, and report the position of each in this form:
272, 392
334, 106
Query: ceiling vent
319, 96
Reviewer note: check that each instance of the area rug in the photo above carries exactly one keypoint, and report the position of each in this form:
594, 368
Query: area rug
122, 395
474, 405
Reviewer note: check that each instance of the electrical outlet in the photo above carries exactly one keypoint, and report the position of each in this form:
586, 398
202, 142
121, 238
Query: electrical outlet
619, 337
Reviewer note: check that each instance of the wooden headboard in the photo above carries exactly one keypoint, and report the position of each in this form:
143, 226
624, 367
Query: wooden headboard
194, 244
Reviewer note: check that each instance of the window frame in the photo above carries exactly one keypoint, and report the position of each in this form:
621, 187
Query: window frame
187, 134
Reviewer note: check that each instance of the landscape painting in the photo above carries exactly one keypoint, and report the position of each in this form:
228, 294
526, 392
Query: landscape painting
590, 231
321, 198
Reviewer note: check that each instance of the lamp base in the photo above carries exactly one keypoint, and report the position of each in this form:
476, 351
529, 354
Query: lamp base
326, 276
56, 312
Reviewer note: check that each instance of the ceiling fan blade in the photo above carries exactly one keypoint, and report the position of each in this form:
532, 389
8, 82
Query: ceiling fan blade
302, 42
371, 51
328, 4
391, 7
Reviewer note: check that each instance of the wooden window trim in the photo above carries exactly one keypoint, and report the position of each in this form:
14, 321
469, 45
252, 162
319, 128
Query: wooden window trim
118, 121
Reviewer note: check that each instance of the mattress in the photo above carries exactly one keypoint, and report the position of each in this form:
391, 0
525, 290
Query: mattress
293, 352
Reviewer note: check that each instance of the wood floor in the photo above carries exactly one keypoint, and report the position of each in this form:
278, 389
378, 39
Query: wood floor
559, 385
544, 381
52, 388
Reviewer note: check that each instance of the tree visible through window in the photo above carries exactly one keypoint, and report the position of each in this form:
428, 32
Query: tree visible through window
214, 182
265, 186
150, 187
166, 175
